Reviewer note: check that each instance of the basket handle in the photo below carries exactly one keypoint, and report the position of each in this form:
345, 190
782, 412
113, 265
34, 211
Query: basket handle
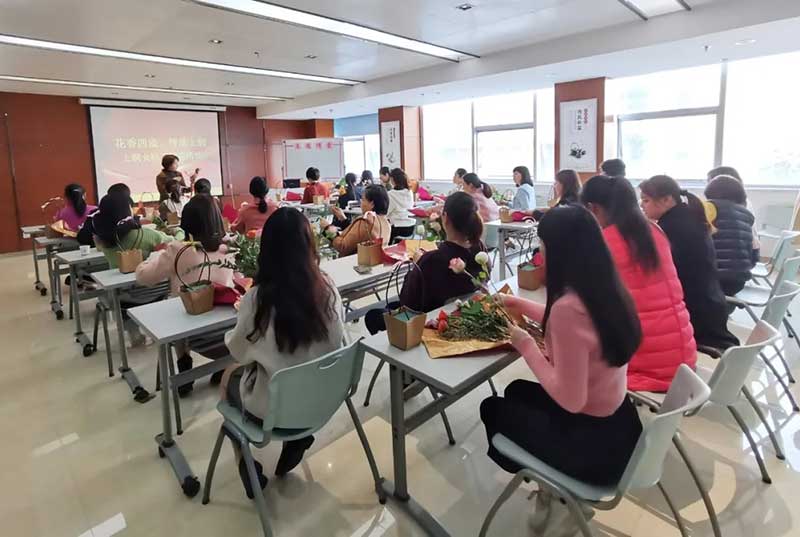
137, 242
206, 263
396, 275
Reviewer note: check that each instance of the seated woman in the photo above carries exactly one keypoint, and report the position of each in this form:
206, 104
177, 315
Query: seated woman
693, 253
352, 193
431, 283
525, 198
577, 417
253, 216
732, 232
643, 259
75, 209
373, 225
203, 186
314, 187
482, 194
401, 200
174, 203
458, 180
566, 190
201, 222
292, 314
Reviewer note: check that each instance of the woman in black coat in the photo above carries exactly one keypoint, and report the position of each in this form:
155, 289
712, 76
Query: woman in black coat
693, 253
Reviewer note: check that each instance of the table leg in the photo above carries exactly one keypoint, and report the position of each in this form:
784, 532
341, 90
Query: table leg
167, 447
38, 283
398, 490
140, 395
80, 337
53, 268
502, 246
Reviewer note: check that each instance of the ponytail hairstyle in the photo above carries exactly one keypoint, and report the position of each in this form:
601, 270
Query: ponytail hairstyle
474, 181
726, 187
578, 259
399, 179
618, 198
173, 189
350, 183
113, 219
462, 214
570, 186
202, 221
663, 186
259, 190
74, 194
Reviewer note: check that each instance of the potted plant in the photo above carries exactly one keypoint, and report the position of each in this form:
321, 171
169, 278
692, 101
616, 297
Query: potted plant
197, 297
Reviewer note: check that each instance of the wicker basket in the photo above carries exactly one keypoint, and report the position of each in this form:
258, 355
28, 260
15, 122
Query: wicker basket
404, 327
197, 298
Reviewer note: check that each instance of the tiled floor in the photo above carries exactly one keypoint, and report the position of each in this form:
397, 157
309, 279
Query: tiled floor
78, 457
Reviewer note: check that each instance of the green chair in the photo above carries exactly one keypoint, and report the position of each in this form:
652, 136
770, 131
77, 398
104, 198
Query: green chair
301, 401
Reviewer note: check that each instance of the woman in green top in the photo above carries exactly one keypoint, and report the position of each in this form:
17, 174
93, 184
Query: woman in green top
116, 229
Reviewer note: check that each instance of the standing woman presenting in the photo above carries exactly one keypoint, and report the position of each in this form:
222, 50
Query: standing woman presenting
169, 165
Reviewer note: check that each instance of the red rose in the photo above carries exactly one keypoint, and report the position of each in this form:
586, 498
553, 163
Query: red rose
442, 326
252, 234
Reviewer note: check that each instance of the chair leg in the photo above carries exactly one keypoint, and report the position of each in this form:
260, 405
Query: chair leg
212, 465
96, 324
493, 387
504, 496
791, 331
746, 430
255, 484
672, 508
372, 382
175, 398
577, 513
785, 364
782, 382
446, 422
760, 414
712, 513
362, 436
107, 340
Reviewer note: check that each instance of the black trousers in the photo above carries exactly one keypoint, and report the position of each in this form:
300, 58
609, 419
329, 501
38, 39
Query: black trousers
591, 449
405, 231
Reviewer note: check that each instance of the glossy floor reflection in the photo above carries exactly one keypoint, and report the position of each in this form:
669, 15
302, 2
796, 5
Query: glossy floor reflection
78, 457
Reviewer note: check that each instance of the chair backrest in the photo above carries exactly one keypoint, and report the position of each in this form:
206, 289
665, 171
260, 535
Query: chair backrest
788, 270
307, 395
776, 308
731, 372
687, 393
784, 248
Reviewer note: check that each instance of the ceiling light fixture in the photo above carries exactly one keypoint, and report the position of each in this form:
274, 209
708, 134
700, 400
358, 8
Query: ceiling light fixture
464, 7
14, 78
645, 9
215, 41
124, 55
310, 56
744, 42
297, 17
148, 75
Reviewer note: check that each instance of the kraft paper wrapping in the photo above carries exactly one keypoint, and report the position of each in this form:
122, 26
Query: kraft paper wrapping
438, 347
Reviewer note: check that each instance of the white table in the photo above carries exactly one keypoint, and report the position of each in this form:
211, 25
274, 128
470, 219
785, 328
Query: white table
352, 285
113, 283
77, 264
452, 378
166, 321
503, 232
51, 247
31, 232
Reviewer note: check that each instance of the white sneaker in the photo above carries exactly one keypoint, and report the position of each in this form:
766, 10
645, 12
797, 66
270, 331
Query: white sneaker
552, 517
539, 516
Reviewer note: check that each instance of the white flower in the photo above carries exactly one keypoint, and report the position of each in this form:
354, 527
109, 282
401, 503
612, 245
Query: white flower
482, 258
420, 230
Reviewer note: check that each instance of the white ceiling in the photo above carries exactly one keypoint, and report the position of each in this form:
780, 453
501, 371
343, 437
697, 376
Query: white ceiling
182, 29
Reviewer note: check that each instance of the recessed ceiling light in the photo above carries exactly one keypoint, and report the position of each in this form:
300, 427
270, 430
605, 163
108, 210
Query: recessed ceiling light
215, 41
464, 7
645, 9
745, 42
278, 13
136, 88
110, 53
148, 75
310, 56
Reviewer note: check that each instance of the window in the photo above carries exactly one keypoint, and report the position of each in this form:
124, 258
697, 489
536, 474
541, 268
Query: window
505, 109
372, 153
498, 152
697, 87
447, 135
760, 119
362, 153
545, 136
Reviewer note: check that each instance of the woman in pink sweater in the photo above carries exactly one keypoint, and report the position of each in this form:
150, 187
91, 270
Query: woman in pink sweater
642, 254
577, 418
482, 194
253, 216
201, 222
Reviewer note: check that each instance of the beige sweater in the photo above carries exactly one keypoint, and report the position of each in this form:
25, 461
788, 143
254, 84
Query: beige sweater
264, 356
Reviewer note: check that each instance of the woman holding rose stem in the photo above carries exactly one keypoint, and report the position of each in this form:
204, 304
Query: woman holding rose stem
577, 417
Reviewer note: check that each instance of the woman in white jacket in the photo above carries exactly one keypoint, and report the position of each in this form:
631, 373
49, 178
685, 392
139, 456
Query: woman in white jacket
401, 200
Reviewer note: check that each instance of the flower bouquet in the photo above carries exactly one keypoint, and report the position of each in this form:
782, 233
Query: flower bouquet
324, 238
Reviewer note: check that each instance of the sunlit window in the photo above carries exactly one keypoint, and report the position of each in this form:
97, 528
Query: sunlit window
697, 87
447, 135
506, 109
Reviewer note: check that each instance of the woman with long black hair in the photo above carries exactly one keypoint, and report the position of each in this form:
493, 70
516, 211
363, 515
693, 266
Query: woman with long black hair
292, 314
253, 215
689, 235
75, 210
577, 417
643, 258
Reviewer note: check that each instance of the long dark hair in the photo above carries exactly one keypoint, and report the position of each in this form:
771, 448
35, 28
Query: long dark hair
74, 194
202, 221
202, 186
726, 187
292, 292
173, 188
399, 179
474, 181
577, 258
618, 198
526, 175
662, 186
366, 178
462, 214
113, 219
259, 189
571, 185
350, 183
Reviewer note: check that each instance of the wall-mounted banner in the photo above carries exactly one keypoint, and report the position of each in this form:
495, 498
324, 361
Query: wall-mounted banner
390, 144
578, 137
